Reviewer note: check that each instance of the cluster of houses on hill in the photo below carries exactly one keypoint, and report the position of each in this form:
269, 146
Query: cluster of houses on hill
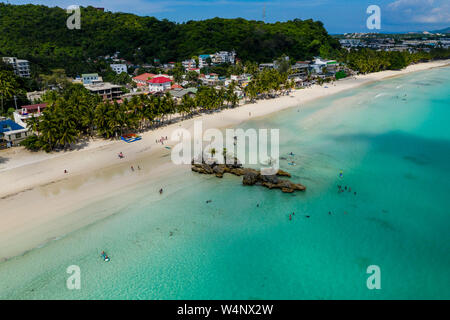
206, 60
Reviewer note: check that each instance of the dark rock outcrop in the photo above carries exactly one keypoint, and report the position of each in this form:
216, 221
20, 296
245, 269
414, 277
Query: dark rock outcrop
251, 177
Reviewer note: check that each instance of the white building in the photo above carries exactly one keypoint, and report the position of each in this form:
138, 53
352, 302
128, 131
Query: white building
21, 67
90, 78
203, 60
119, 68
11, 133
224, 57
159, 84
189, 64
25, 113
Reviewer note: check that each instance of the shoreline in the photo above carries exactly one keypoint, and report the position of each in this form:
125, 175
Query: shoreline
38, 200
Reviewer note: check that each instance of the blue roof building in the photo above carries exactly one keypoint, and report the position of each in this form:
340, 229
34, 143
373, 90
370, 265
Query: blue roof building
9, 125
11, 133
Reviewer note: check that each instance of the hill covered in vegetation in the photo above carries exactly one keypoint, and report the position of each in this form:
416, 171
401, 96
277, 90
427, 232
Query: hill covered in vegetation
39, 34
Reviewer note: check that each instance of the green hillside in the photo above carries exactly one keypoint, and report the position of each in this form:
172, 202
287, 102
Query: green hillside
39, 34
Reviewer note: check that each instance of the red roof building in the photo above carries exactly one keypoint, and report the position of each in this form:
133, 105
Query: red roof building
159, 84
142, 79
158, 80
176, 86
33, 108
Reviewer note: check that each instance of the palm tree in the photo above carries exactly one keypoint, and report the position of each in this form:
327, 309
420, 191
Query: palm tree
8, 86
33, 124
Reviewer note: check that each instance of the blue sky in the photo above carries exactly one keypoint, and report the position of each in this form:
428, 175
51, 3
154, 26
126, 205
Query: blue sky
338, 15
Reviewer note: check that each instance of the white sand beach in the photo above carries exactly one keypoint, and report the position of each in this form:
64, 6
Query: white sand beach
38, 200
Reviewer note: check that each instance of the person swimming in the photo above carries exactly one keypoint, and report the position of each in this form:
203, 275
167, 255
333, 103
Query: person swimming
290, 217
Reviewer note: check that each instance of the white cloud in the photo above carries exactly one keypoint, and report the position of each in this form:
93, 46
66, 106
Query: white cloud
421, 11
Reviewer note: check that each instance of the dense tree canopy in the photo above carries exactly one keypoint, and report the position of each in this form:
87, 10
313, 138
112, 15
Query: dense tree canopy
39, 34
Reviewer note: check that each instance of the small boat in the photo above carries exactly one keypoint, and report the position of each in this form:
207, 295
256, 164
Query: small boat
105, 256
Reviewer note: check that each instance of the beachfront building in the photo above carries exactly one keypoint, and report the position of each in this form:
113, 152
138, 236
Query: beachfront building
107, 90
179, 93
159, 84
90, 78
119, 68
324, 66
22, 115
141, 80
301, 69
21, 67
11, 133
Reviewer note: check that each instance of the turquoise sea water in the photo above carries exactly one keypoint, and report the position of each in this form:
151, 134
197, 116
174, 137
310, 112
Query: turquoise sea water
391, 139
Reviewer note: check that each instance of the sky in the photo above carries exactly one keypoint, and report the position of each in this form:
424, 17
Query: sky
338, 16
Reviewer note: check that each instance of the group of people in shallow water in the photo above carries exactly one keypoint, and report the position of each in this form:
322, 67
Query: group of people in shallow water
293, 214
162, 140
345, 189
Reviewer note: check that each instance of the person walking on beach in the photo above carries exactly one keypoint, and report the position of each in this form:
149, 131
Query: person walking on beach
132, 168
160, 191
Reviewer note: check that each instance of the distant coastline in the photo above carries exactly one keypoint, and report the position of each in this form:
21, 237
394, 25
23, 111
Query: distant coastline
29, 218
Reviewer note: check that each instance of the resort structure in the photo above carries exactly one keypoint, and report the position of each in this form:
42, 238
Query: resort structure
11, 133
107, 91
21, 67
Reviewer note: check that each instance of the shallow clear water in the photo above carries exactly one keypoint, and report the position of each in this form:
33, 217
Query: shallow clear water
391, 140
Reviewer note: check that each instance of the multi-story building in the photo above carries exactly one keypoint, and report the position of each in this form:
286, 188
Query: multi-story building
224, 57
300, 70
263, 66
90, 78
25, 113
119, 68
21, 67
107, 90
203, 60
189, 64
159, 84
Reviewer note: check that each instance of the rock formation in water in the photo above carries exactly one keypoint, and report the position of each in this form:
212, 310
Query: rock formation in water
251, 177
